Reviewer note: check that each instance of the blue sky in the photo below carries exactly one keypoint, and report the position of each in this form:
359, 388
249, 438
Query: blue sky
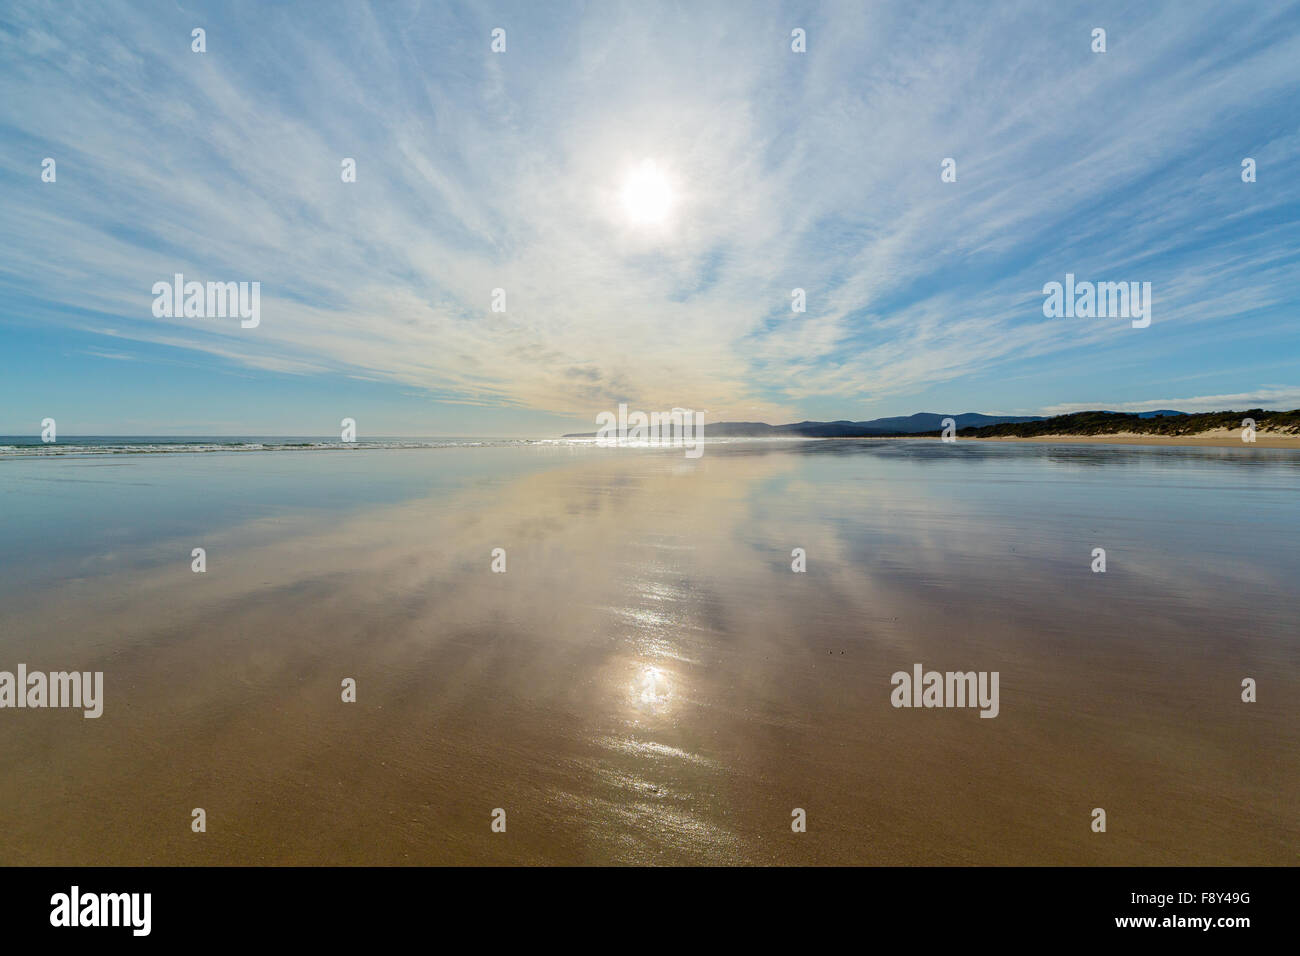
479, 170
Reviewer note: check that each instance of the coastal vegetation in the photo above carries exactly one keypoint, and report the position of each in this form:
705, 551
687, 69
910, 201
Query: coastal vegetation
1115, 423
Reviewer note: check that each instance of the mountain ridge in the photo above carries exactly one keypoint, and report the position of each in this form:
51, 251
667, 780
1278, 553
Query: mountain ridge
843, 428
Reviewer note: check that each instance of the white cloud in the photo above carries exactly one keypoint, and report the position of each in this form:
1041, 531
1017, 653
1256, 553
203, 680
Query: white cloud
478, 171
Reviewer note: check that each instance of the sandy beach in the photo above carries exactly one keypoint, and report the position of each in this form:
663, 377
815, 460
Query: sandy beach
649, 682
1223, 438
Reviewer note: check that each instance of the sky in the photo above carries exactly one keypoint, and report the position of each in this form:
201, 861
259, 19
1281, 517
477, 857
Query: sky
772, 170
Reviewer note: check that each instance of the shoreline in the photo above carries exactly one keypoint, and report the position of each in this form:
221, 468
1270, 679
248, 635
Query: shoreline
1202, 440
1187, 441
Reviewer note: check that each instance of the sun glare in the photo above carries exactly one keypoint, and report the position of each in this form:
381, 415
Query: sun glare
647, 194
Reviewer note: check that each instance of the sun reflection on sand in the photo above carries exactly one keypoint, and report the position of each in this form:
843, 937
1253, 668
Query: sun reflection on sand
652, 690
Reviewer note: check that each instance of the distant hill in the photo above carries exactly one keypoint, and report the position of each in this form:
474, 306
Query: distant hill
903, 425
928, 421
1171, 424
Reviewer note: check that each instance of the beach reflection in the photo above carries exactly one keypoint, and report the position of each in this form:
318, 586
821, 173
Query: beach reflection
651, 682
651, 691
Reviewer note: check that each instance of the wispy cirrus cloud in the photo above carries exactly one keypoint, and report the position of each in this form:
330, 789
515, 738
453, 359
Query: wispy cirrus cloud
818, 171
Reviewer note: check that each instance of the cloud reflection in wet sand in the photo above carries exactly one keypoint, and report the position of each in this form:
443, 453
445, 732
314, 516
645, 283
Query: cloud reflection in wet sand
649, 682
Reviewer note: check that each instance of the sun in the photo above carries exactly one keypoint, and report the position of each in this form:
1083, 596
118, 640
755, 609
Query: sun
647, 194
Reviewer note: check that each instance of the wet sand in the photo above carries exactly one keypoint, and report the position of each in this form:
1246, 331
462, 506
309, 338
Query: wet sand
649, 682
